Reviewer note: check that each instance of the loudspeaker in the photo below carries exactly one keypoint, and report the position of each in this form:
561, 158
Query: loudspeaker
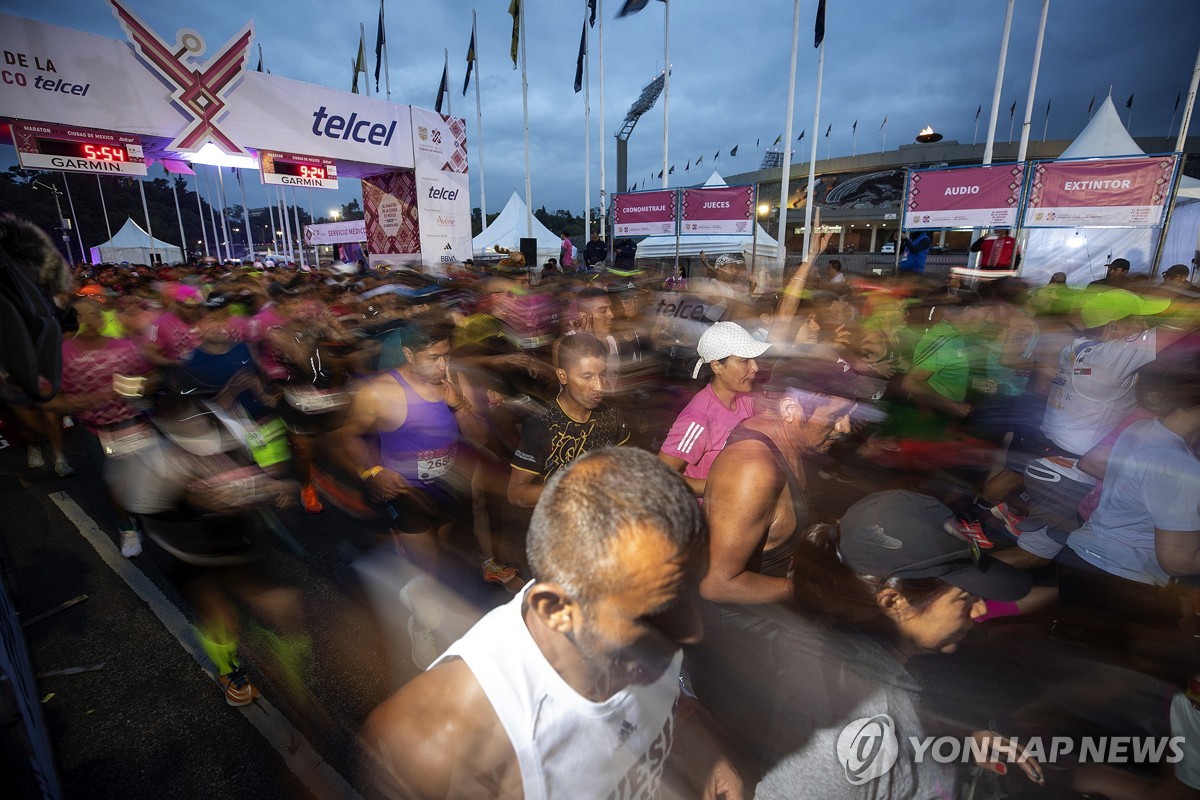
529, 250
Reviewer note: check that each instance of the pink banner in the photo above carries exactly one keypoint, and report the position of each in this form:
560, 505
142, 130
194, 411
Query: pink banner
390, 208
719, 209
1117, 193
971, 197
644, 213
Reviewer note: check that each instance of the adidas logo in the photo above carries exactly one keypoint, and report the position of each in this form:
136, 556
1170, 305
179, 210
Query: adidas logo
447, 247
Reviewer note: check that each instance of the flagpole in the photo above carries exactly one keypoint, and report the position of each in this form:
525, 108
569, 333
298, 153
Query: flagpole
149, 230
179, 218
387, 78
1046, 124
78, 233
975, 138
1033, 77
854, 142
884, 148
785, 176
446, 71
212, 217
991, 135
299, 230
287, 225
1187, 108
525, 111
666, 92
587, 131
104, 206
246, 219
603, 144
812, 158
274, 234
224, 205
199, 211
479, 119
362, 44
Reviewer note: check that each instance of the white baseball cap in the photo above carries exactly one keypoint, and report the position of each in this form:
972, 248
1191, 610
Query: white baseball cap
724, 339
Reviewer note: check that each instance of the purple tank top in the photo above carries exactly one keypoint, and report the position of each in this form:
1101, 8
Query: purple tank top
423, 448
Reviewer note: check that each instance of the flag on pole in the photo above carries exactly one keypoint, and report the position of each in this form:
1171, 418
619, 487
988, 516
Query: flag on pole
380, 39
1012, 110
470, 60
884, 122
1129, 102
671, 171
634, 189
698, 160
1176, 108
1091, 105
514, 8
260, 69
716, 155
827, 130
579, 58
632, 7
778, 139
360, 62
819, 31
757, 142
1048, 100
689, 165
801, 139
443, 89
354, 80
977, 112
854, 127
592, 9
660, 173
733, 152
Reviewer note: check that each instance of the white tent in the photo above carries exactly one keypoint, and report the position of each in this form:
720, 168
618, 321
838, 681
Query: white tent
1082, 253
134, 245
507, 230
713, 245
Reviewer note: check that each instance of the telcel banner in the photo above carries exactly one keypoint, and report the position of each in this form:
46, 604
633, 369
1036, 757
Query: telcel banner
644, 213
718, 209
1114, 193
968, 197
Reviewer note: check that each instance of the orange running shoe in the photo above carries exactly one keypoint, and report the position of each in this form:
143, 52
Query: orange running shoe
312, 503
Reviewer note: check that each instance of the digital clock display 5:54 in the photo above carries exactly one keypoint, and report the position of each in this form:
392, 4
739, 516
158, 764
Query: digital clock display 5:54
92, 152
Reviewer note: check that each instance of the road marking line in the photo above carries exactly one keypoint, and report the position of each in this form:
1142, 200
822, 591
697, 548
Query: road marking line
308, 766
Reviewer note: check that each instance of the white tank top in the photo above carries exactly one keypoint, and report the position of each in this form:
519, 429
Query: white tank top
566, 745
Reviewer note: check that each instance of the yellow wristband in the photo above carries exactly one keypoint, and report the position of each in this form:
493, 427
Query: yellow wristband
367, 474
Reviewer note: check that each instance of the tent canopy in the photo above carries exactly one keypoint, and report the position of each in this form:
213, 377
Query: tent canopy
134, 245
507, 230
1083, 253
712, 244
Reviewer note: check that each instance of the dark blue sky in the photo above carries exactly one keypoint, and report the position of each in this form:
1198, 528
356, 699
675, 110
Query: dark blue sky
918, 62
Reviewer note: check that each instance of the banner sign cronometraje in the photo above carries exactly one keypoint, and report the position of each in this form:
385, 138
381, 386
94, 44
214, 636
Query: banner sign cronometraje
644, 213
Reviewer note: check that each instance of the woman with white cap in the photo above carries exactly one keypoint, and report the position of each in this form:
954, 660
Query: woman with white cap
700, 430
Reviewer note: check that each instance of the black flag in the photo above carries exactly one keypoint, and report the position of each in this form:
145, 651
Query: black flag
689, 165
801, 139
733, 152
443, 90
778, 139
660, 173
592, 9
1048, 100
1091, 105
671, 171
698, 160
819, 32
470, 60
260, 69
1129, 102
1173, 110
854, 127
716, 155
632, 7
380, 40
1013, 110
634, 189
579, 58
756, 142
977, 112
827, 130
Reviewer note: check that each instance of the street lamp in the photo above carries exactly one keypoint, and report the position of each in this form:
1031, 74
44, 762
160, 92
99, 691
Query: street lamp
62, 221
335, 214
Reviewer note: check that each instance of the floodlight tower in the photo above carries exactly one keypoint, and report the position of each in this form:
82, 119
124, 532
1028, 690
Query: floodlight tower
644, 103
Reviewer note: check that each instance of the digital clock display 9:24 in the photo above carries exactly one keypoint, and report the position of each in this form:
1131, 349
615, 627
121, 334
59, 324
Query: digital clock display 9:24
89, 150
300, 170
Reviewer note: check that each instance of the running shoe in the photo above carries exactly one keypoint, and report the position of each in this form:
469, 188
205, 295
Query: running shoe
974, 532
63, 468
1010, 518
131, 543
239, 691
495, 572
312, 503
424, 645
35, 459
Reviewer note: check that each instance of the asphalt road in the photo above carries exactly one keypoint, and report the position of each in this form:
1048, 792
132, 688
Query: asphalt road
152, 722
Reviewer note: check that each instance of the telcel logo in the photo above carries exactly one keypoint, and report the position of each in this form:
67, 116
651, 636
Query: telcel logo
438, 193
360, 130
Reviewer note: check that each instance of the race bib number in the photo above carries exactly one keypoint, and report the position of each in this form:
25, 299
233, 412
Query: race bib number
315, 401
127, 440
433, 464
